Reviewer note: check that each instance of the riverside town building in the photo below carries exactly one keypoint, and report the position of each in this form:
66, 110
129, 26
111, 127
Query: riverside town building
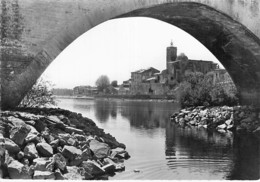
151, 81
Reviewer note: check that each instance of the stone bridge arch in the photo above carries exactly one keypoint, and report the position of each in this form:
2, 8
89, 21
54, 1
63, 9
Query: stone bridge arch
34, 32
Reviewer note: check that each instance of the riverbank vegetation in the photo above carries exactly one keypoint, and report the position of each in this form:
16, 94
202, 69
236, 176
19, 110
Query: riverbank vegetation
200, 90
40, 95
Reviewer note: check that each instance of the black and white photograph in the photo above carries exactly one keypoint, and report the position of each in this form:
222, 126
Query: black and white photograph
129, 90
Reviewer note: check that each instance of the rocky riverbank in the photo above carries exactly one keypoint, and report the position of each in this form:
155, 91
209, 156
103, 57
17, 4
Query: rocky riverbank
239, 119
56, 144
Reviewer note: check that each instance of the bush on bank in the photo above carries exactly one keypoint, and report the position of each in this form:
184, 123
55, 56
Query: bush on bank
40, 95
198, 89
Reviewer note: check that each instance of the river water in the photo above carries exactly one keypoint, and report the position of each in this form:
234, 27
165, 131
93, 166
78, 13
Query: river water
160, 149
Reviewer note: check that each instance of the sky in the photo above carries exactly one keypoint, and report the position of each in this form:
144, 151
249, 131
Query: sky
118, 47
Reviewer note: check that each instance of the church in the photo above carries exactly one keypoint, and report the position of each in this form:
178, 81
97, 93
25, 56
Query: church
151, 81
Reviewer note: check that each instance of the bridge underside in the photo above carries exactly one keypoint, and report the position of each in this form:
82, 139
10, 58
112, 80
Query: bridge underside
237, 48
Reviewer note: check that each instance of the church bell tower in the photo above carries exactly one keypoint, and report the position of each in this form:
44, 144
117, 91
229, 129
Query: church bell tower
171, 56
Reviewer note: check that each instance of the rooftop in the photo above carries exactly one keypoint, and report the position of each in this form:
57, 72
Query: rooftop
144, 70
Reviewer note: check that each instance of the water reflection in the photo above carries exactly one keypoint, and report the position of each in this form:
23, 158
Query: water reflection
246, 159
146, 115
163, 150
198, 150
240, 155
104, 109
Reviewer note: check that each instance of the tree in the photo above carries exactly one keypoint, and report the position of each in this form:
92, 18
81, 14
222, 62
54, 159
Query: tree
198, 89
39, 96
102, 83
114, 83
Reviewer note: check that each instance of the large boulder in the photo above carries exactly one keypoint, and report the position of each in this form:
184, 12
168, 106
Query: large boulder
17, 170
44, 149
12, 147
30, 151
19, 133
100, 149
43, 175
71, 152
92, 168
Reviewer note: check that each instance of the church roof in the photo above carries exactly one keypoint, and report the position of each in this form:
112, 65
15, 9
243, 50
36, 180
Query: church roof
144, 70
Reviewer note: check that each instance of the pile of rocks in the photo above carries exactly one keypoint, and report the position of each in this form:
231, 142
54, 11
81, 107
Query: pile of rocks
238, 118
56, 144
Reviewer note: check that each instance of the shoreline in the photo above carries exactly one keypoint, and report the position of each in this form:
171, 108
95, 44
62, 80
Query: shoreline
115, 98
237, 119
53, 143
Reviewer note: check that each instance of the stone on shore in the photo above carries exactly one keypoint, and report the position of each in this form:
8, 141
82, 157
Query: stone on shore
12, 147
47, 145
20, 155
30, 151
43, 175
220, 118
71, 152
17, 170
55, 119
92, 168
19, 133
229, 122
32, 136
73, 173
60, 161
80, 137
100, 149
40, 125
86, 154
44, 149
40, 164
71, 130
109, 168
222, 126
15, 121
58, 175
